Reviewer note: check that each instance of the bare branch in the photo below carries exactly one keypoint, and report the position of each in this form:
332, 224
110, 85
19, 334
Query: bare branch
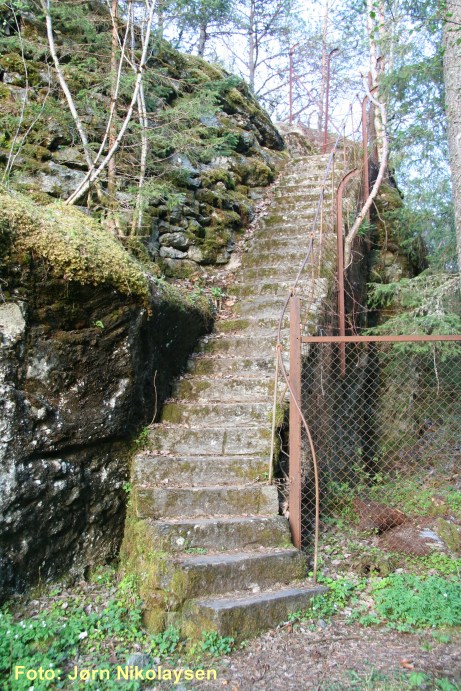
95, 173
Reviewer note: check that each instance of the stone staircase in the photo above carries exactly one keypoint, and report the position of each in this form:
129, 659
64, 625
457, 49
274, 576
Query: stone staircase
206, 539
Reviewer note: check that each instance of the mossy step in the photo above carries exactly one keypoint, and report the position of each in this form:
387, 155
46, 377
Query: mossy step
197, 471
228, 533
189, 502
278, 243
275, 270
286, 257
250, 323
249, 413
266, 307
216, 574
243, 615
239, 346
264, 328
303, 196
214, 441
232, 390
279, 288
284, 227
244, 367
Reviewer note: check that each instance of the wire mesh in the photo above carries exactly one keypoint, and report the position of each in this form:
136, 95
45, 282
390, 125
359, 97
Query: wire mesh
391, 424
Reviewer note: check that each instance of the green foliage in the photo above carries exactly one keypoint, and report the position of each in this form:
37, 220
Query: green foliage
341, 591
215, 645
406, 601
426, 304
71, 627
142, 440
166, 643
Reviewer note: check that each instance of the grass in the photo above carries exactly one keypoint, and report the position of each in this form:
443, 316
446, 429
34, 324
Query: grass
95, 625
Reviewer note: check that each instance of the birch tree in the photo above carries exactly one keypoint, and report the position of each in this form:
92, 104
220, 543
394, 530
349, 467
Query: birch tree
452, 74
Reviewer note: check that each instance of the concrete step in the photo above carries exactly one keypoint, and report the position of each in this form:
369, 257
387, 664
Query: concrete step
151, 470
249, 326
196, 414
265, 307
232, 390
214, 441
229, 533
305, 198
243, 615
215, 574
266, 242
234, 346
281, 256
226, 366
279, 288
275, 271
188, 502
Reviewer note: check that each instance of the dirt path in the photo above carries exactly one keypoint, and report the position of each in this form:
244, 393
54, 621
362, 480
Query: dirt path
342, 656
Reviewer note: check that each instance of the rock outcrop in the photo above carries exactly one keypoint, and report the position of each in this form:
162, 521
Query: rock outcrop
211, 145
87, 351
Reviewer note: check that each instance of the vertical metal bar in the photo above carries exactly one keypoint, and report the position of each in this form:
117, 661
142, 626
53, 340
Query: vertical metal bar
295, 421
327, 99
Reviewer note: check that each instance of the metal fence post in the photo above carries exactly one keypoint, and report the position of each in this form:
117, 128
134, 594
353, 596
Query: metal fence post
295, 421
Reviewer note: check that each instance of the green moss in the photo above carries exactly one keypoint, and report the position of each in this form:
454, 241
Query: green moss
255, 173
14, 64
218, 175
40, 153
449, 533
75, 247
202, 71
5, 92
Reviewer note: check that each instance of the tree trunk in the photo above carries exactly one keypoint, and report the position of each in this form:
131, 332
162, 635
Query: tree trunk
112, 167
452, 74
373, 40
203, 36
160, 9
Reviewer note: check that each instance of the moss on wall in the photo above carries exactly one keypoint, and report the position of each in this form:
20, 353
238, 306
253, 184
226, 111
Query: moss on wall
75, 246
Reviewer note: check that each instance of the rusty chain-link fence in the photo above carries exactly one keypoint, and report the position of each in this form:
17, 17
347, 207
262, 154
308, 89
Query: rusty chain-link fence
385, 420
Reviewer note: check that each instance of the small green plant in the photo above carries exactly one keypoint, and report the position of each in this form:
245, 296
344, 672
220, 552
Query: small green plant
195, 550
87, 623
215, 645
142, 440
98, 324
406, 601
165, 644
127, 488
340, 592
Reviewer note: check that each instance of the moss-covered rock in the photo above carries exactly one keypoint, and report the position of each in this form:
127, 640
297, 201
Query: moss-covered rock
73, 245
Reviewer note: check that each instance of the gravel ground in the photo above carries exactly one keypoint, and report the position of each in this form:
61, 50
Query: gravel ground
340, 656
